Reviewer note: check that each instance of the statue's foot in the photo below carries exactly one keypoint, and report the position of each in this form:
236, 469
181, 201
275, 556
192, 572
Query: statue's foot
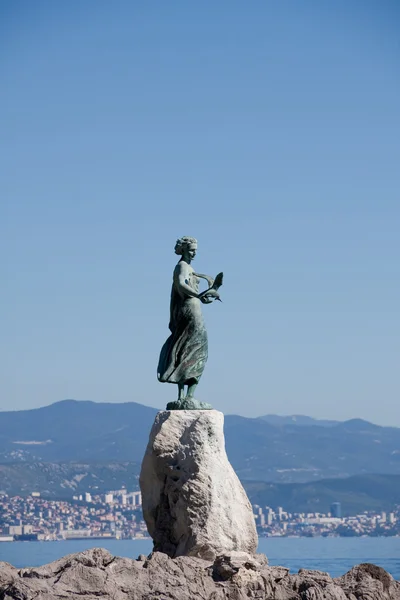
188, 403
175, 405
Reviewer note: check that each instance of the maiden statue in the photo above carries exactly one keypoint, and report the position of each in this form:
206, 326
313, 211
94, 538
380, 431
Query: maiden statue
184, 354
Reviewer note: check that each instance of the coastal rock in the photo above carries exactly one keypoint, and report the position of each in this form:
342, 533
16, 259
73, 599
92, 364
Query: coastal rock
97, 574
193, 501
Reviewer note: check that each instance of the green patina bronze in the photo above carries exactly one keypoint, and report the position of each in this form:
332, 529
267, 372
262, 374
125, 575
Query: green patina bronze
184, 354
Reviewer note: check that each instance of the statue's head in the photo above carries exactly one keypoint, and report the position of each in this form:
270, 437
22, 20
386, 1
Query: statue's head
187, 247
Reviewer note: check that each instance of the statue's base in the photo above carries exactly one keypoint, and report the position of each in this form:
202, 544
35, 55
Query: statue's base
188, 404
193, 501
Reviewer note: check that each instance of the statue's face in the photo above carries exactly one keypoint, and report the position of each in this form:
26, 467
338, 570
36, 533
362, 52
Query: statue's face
191, 251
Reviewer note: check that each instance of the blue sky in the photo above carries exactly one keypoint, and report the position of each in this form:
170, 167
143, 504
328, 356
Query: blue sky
269, 131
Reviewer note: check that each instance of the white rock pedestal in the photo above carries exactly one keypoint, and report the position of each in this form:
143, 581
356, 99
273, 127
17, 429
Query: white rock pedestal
193, 501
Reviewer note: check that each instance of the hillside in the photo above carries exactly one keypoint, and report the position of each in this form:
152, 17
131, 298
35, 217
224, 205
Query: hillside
356, 494
63, 480
258, 450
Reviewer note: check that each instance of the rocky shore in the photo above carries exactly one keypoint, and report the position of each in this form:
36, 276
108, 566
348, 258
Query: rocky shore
95, 574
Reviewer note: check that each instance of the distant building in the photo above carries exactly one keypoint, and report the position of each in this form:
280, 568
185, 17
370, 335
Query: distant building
137, 498
76, 533
88, 497
108, 498
336, 510
27, 529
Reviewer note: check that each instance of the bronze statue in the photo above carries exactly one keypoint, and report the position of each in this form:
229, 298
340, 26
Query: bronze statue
184, 354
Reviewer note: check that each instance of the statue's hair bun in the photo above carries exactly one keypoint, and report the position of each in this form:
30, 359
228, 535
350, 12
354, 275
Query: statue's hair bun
182, 242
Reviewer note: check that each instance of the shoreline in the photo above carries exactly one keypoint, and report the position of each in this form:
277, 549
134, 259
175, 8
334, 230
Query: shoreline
149, 539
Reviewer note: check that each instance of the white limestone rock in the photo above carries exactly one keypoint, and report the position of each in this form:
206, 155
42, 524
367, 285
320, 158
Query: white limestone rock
193, 501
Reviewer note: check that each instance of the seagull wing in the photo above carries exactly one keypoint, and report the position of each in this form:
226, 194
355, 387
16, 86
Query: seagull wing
218, 281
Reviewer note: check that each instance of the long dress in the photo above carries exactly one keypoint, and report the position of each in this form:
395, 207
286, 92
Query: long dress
184, 354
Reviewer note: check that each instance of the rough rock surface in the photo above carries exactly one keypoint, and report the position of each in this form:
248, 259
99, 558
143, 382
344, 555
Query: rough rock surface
95, 574
193, 501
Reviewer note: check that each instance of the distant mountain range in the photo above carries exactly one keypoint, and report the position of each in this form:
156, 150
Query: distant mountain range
270, 448
300, 420
76, 430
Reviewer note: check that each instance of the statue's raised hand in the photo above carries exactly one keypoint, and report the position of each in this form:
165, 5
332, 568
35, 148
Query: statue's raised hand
206, 299
212, 293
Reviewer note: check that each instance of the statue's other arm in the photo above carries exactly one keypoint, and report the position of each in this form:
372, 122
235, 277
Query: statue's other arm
210, 280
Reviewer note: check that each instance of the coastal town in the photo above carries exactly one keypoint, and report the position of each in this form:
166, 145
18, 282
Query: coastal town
118, 515
285, 524
115, 515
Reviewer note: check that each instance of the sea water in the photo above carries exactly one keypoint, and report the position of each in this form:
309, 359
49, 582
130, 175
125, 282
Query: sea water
333, 555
